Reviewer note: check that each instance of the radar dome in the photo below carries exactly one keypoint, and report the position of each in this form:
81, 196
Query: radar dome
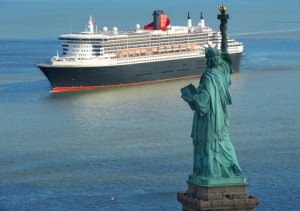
115, 30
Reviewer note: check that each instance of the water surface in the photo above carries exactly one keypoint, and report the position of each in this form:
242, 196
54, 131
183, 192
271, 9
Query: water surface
77, 150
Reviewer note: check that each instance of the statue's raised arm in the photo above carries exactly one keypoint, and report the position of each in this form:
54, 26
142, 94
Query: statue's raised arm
223, 17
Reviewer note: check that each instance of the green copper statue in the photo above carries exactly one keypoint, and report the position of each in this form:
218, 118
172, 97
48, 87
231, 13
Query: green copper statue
215, 160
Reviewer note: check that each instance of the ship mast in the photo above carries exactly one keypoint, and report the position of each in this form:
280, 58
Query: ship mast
91, 25
202, 22
189, 22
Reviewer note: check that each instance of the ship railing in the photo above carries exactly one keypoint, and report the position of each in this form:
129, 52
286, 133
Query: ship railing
156, 57
198, 52
62, 59
235, 50
44, 61
158, 50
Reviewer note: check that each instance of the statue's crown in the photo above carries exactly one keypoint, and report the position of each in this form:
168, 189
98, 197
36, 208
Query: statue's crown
211, 52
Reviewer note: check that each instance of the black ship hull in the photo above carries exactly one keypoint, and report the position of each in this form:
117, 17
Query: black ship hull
79, 78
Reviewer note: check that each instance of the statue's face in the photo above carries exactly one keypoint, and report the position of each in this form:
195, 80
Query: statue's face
213, 62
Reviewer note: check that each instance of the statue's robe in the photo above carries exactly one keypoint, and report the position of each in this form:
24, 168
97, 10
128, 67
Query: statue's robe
214, 155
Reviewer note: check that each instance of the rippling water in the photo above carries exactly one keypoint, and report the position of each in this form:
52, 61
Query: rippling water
130, 148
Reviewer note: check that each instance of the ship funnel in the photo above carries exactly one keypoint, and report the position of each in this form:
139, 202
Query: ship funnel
156, 19
201, 22
189, 21
160, 21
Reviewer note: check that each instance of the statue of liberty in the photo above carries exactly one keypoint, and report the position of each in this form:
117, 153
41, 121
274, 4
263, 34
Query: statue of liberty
214, 155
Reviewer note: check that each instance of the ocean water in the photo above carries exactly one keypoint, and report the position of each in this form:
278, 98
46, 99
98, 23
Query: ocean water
130, 148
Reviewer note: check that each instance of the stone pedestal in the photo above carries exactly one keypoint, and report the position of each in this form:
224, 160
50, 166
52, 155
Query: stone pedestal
226, 197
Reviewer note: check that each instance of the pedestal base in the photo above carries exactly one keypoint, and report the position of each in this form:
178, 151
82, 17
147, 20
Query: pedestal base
239, 180
229, 197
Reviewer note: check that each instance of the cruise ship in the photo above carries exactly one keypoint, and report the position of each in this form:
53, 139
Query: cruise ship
158, 52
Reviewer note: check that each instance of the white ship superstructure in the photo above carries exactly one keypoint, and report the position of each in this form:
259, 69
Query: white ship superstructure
102, 48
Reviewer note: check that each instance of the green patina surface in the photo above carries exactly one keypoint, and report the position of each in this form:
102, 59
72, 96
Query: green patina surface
215, 161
